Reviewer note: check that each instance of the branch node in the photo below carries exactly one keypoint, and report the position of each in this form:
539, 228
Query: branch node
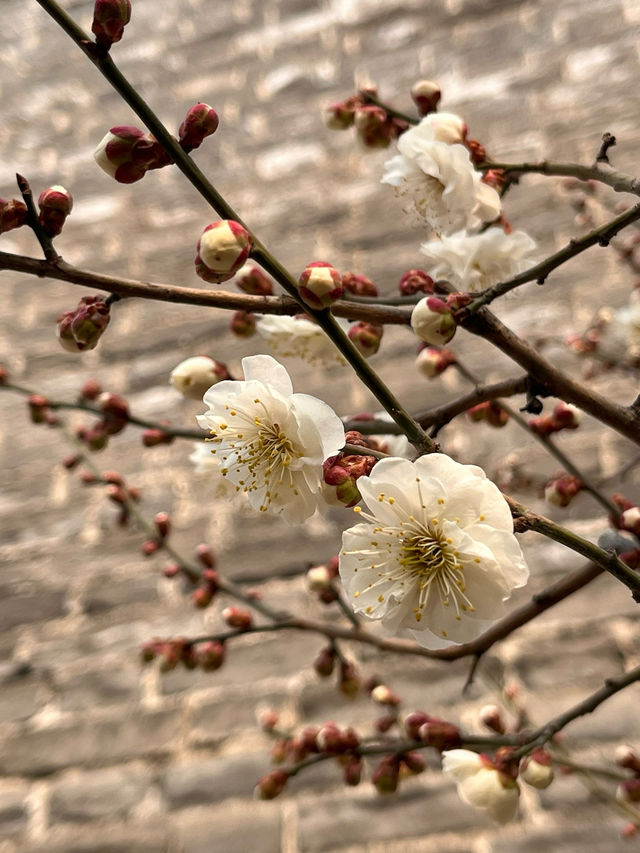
608, 141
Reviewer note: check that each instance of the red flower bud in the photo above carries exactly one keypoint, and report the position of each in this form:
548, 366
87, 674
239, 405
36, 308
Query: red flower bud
55, 205
358, 285
205, 556
222, 249
243, 324
271, 785
386, 775
238, 618
320, 284
252, 280
109, 20
415, 281
366, 337
211, 656
426, 95
82, 328
200, 121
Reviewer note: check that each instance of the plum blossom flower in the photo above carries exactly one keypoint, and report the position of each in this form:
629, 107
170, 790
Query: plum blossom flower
474, 261
437, 179
299, 337
271, 443
436, 557
481, 784
207, 466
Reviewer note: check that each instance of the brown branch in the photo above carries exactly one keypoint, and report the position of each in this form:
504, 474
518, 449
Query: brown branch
612, 178
128, 287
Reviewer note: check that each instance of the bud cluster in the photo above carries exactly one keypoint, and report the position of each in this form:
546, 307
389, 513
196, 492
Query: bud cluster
564, 416
81, 329
432, 731
358, 284
117, 490
561, 490
375, 127
489, 411
415, 281
320, 580
13, 214
114, 418
207, 656
342, 472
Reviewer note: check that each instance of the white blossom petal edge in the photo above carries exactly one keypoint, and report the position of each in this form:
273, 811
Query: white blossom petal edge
475, 261
299, 337
271, 443
436, 557
438, 181
481, 785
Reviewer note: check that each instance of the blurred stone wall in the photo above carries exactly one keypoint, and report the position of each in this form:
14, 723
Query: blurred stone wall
100, 756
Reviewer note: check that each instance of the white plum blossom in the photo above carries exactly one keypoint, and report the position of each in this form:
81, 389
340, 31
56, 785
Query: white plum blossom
436, 556
271, 443
482, 785
472, 262
438, 181
207, 466
296, 336
194, 375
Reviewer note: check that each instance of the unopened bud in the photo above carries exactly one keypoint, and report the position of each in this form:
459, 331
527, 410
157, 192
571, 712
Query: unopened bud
496, 415
202, 597
440, 734
320, 284
38, 406
433, 322
566, 416
386, 775
13, 214
205, 556
318, 578
116, 412
55, 205
4, 374
491, 716
426, 94
252, 280
109, 20
223, 248
195, 375
200, 121
162, 523
560, 491
358, 284
267, 719
126, 153
349, 681
271, 785
415, 281
629, 791
236, 617
82, 328
324, 663
91, 390
537, 769
374, 128
153, 437
340, 116
243, 324
627, 757
366, 337
330, 738
384, 696
171, 570
352, 773
432, 361
415, 762
149, 547
210, 656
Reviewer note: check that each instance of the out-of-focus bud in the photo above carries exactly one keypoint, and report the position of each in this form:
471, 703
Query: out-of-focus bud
4, 374
495, 415
90, 390
542, 426
384, 696
13, 214
627, 757
386, 775
243, 324
629, 830
205, 556
491, 716
324, 663
330, 739
432, 361
149, 548
412, 723
566, 416
358, 284
320, 285
537, 769
223, 248
426, 94
433, 322
385, 722
211, 655
560, 491
200, 121
352, 772
109, 20
82, 328
341, 116
271, 785
236, 617
440, 734
415, 281
126, 153
414, 762
252, 280
629, 791
38, 406
171, 570
162, 523
476, 150
154, 437
630, 520
349, 680
267, 718
115, 410
195, 375
374, 127
366, 337
494, 177
318, 578
55, 205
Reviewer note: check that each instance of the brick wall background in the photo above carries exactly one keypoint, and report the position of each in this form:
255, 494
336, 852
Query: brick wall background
99, 756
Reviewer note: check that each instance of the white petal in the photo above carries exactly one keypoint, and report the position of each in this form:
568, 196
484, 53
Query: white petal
313, 414
460, 763
267, 370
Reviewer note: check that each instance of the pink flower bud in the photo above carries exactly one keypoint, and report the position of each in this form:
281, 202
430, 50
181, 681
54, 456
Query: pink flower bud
236, 617
200, 121
366, 337
96, 438
566, 416
543, 425
202, 597
495, 415
38, 406
432, 361
222, 249
55, 205
82, 328
385, 722
115, 410
358, 285
476, 150
440, 734
243, 324
211, 656
126, 153
90, 390
491, 716
205, 556
560, 491
324, 663
149, 547
386, 775
271, 785
352, 773
154, 437
433, 322
267, 719
415, 281
413, 722
109, 20
330, 738
537, 769
195, 375
341, 116
162, 523
252, 280
171, 570
320, 285
426, 95
414, 762
13, 214
374, 127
